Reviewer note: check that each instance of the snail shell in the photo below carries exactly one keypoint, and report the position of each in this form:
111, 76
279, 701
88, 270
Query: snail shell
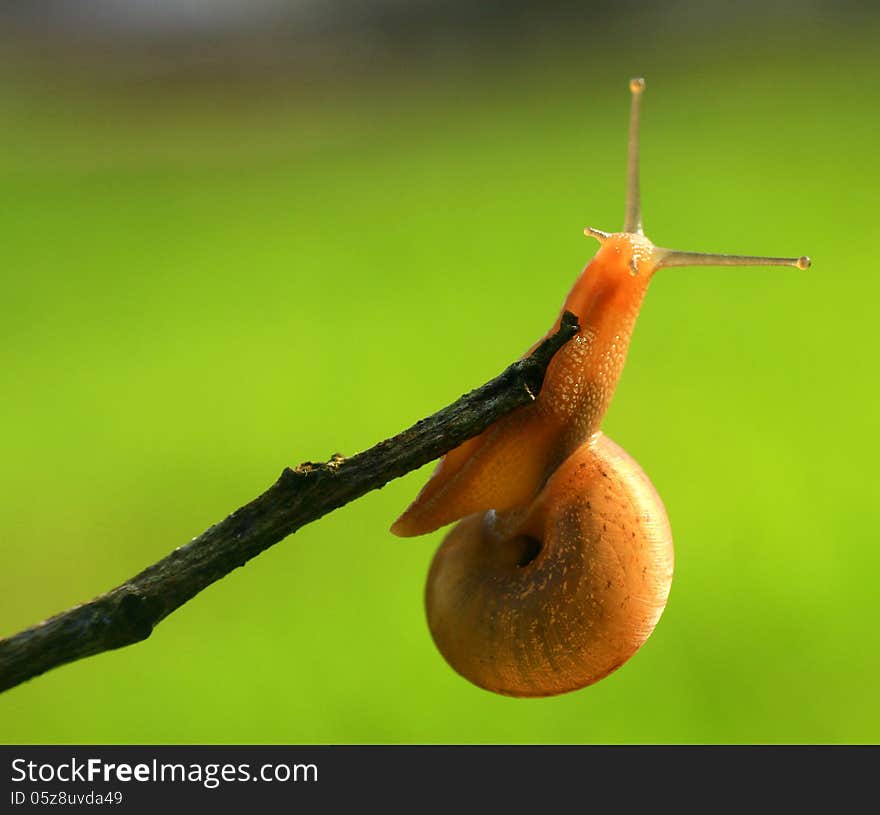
556, 598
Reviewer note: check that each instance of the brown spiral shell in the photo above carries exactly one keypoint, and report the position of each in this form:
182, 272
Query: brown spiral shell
556, 597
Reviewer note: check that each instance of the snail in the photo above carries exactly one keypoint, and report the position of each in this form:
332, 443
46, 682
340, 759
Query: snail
561, 562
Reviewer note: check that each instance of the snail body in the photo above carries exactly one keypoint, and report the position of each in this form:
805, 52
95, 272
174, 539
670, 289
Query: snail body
561, 562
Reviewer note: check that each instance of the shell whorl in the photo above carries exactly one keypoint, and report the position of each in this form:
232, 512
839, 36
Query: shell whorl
555, 598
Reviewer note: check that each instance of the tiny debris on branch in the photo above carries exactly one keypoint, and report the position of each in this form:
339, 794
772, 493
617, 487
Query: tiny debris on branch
129, 613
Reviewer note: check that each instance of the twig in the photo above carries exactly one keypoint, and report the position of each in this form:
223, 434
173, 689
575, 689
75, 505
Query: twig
130, 612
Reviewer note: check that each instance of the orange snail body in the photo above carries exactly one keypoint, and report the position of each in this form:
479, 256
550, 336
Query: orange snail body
562, 564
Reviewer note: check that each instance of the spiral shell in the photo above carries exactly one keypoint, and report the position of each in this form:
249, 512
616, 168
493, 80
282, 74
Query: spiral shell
554, 598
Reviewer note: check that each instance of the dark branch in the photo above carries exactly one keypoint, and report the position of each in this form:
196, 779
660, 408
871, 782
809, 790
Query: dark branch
128, 613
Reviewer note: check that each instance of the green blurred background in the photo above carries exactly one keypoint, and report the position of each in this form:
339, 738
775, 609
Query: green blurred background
218, 259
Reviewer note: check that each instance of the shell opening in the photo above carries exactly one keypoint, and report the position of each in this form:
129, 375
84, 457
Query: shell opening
528, 548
